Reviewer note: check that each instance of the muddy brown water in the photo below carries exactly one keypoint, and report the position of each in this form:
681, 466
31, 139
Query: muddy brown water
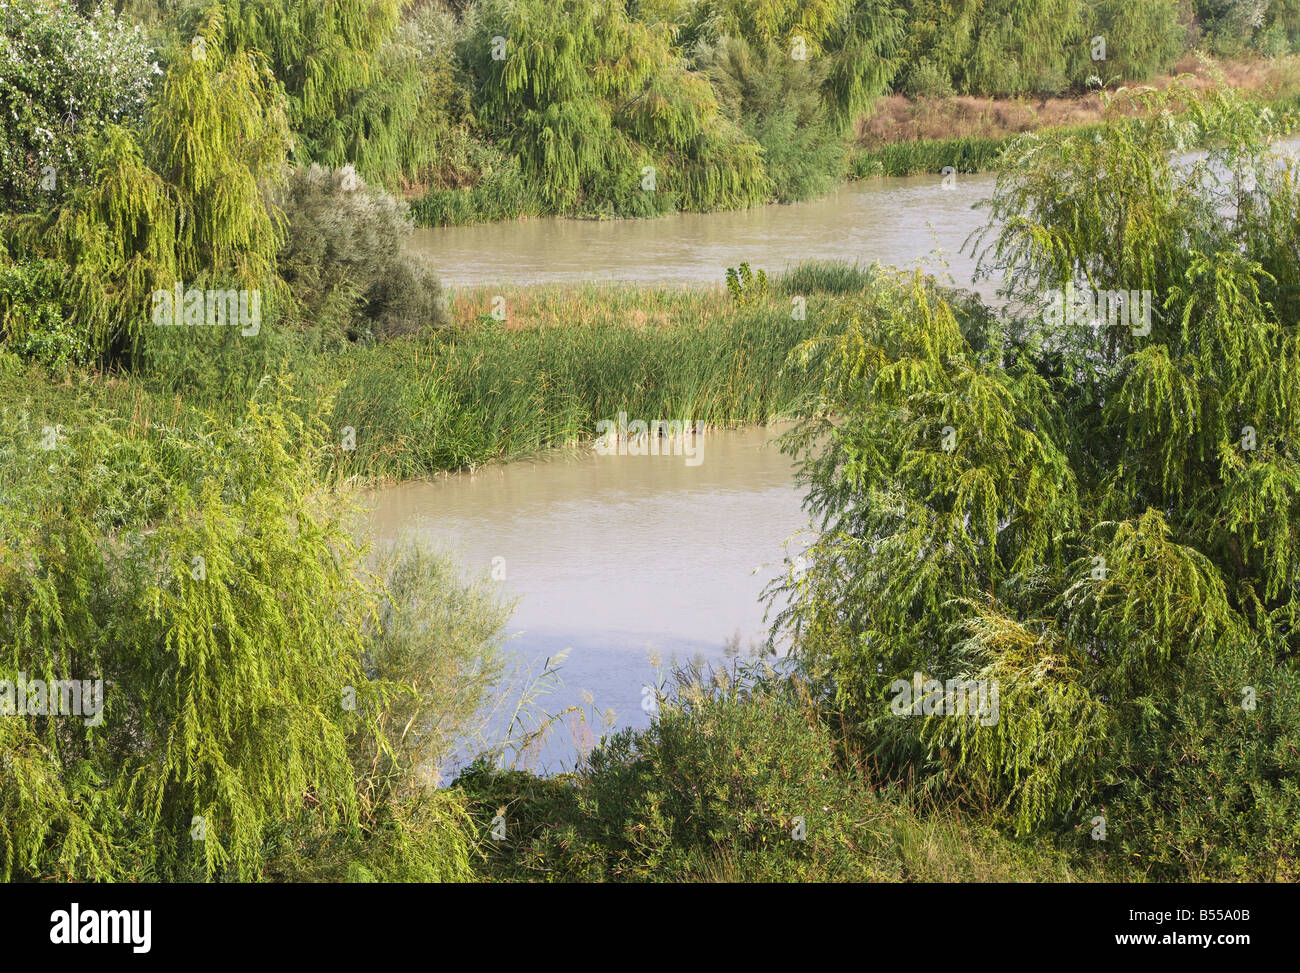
896, 221
616, 558
621, 558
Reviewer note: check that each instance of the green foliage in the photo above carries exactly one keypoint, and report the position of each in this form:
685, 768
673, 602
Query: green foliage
461, 399
181, 201
778, 102
442, 638
346, 261
1281, 33
1022, 47
602, 115
1142, 38
966, 154
117, 238
165, 564
1236, 766
1014, 47
1101, 519
219, 135
926, 79
358, 90
32, 317
850, 43
825, 277
744, 286
1229, 25
739, 778
497, 190
63, 77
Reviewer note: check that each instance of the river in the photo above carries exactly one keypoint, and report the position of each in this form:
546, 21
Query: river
619, 559
896, 221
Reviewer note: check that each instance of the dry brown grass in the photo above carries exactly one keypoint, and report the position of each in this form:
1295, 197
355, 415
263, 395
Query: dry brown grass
902, 119
644, 308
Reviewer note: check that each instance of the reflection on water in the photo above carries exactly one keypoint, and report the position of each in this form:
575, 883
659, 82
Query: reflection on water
615, 557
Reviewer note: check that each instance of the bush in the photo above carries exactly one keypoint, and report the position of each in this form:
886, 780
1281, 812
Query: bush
442, 637
476, 182
1229, 25
925, 79
739, 778
63, 77
1220, 794
345, 258
32, 320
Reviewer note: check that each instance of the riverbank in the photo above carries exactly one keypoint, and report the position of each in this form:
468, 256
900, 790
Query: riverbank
174, 444
903, 136
742, 778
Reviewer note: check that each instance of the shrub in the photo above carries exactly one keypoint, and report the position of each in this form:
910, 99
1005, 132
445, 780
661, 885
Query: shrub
32, 320
345, 257
740, 777
63, 77
925, 79
442, 638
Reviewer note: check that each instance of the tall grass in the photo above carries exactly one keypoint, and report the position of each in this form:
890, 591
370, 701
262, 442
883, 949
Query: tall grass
495, 390
481, 390
965, 154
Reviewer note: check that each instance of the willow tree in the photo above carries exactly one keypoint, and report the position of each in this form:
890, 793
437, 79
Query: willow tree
1141, 38
850, 43
218, 135
1000, 47
181, 199
217, 592
115, 240
602, 114
357, 91
771, 21
1096, 506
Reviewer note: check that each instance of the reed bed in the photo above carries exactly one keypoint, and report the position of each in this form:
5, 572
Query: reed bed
483, 390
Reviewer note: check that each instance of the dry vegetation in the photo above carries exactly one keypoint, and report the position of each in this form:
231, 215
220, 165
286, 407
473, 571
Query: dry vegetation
898, 118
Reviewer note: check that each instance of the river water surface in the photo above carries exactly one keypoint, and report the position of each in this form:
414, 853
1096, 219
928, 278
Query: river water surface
621, 559
618, 558
896, 221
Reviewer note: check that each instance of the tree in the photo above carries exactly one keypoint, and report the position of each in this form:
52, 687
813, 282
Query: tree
357, 91
777, 101
258, 684
1142, 38
63, 78
602, 114
180, 199
1100, 519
